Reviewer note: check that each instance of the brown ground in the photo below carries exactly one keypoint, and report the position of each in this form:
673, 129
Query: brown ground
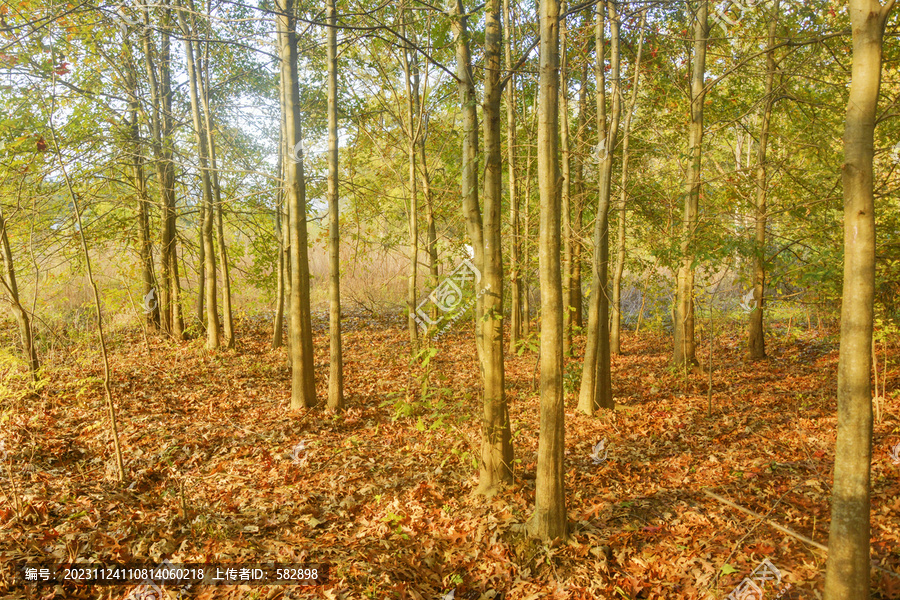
385, 492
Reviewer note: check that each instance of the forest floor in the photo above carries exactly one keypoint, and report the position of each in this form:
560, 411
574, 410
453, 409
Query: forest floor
383, 493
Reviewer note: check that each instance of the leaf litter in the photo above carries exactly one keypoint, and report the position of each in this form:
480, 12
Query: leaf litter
221, 471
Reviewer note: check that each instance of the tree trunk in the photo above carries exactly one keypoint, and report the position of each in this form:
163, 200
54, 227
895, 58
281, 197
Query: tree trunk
596, 378
278, 333
526, 229
161, 134
410, 70
549, 519
303, 382
8, 280
431, 241
565, 191
227, 313
576, 301
98, 314
201, 276
496, 444
145, 244
469, 170
847, 573
209, 265
286, 254
204, 85
757, 339
685, 345
336, 369
615, 346
515, 324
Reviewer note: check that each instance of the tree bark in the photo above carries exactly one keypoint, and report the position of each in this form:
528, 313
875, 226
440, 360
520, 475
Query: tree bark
566, 190
757, 341
145, 243
615, 346
410, 70
685, 345
209, 266
496, 444
278, 332
163, 150
847, 572
549, 518
469, 169
596, 378
515, 321
431, 241
8, 280
201, 276
98, 314
526, 227
336, 368
227, 314
303, 382
576, 300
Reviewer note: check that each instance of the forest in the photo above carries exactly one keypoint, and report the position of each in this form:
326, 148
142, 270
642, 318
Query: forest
517, 300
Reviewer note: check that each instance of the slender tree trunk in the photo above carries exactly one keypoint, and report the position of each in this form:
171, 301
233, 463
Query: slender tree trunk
201, 278
566, 190
336, 369
145, 244
98, 314
847, 573
161, 136
596, 379
170, 256
496, 444
685, 345
469, 175
203, 79
278, 333
286, 255
412, 87
515, 325
212, 313
757, 333
526, 230
549, 519
615, 346
576, 301
431, 241
227, 313
12, 289
303, 382
285, 240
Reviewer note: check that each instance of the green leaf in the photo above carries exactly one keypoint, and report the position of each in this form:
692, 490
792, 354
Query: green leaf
728, 569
